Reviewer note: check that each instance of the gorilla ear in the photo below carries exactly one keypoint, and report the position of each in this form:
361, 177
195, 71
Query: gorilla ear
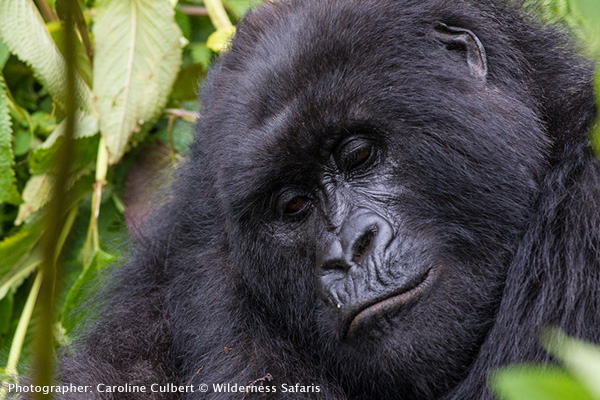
464, 39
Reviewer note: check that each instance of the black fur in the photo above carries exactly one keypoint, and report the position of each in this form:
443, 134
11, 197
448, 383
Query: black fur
497, 178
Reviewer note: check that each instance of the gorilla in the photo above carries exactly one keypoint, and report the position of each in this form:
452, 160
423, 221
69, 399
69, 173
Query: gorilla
385, 199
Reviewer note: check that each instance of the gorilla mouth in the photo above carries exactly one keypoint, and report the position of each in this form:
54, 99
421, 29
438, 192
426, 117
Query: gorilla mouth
390, 301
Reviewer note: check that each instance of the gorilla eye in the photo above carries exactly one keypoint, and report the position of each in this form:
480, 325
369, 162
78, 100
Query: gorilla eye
355, 154
295, 205
290, 203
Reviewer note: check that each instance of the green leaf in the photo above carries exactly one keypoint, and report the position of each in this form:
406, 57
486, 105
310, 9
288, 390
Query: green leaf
23, 30
184, 23
186, 84
20, 256
14, 248
36, 194
6, 312
81, 290
22, 141
582, 359
183, 135
44, 123
38, 191
8, 187
201, 54
85, 126
240, 7
137, 57
220, 40
19, 273
4, 54
43, 158
527, 382
587, 14
84, 66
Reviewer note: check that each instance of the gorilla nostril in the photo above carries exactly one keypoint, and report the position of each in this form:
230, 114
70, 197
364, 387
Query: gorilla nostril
362, 246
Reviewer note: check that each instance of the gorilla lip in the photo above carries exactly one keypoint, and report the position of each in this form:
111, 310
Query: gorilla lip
390, 301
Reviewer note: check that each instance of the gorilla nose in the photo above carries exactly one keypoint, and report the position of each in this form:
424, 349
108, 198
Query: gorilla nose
363, 233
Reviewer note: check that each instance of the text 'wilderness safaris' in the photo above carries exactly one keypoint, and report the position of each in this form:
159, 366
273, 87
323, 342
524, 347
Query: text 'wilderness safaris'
166, 388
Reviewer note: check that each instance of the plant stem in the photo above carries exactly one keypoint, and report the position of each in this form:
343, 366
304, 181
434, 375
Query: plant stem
193, 10
171, 139
56, 220
190, 116
217, 14
62, 7
92, 241
19, 338
46, 10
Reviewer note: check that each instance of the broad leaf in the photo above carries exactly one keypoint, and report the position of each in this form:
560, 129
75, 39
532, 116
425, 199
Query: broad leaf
16, 248
84, 66
85, 126
20, 271
587, 14
240, 7
201, 54
86, 284
4, 54
582, 359
36, 194
6, 311
8, 188
20, 255
527, 382
23, 31
137, 57
86, 146
187, 83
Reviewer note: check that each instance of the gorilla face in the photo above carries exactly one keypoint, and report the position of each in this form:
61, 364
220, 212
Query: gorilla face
375, 191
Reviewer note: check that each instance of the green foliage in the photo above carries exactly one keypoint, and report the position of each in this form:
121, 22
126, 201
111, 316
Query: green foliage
4, 54
42, 158
24, 32
239, 7
579, 378
527, 382
8, 188
20, 256
35, 195
581, 18
80, 291
138, 65
137, 56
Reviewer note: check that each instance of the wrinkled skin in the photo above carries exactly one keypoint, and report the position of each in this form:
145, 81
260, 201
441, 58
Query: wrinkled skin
385, 198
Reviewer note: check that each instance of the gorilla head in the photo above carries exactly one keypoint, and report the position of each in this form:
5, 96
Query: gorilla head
385, 198
372, 170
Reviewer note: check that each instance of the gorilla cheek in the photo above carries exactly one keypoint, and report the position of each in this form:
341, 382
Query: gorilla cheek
273, 265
